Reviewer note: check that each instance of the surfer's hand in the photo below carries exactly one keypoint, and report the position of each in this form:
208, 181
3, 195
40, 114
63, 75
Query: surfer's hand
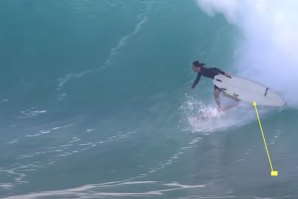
228, 75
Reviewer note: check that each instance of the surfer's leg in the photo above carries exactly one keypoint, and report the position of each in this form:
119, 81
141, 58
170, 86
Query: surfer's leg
216, 97
233, 98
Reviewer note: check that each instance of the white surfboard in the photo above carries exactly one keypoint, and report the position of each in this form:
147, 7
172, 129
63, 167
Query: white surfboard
248, 91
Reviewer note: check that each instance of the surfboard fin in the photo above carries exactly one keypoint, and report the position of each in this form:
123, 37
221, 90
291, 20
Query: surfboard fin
266, 91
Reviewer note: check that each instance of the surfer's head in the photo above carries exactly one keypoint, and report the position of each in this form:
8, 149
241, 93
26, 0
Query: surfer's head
196, 66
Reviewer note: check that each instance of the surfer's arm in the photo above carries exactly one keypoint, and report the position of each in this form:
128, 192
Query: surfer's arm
196, 81
218, 71
222, 72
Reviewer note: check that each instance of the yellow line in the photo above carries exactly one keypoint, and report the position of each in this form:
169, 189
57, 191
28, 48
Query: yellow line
255, 105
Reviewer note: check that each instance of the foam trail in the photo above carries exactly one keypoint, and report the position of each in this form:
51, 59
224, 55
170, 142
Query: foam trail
98, 191
267, 52
142, 18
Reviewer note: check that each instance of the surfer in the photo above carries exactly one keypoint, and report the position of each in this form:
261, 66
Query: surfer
199, 68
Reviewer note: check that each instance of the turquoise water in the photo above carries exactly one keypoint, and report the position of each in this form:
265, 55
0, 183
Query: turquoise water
95, 103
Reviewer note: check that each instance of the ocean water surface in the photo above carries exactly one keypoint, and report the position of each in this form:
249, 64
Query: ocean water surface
95, 100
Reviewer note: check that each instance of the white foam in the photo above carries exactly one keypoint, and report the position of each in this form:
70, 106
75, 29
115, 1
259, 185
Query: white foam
95, 190
32, 112
6, 186
205, 118
267, 52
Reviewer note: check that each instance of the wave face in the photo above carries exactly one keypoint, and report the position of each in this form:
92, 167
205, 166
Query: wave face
95, 104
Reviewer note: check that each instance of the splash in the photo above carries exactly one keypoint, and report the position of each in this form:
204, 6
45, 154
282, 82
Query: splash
205, 118
267, 52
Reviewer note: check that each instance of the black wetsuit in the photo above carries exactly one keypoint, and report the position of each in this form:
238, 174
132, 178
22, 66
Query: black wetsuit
207, 72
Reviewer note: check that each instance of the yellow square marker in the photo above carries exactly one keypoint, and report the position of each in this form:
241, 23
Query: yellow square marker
274, 173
